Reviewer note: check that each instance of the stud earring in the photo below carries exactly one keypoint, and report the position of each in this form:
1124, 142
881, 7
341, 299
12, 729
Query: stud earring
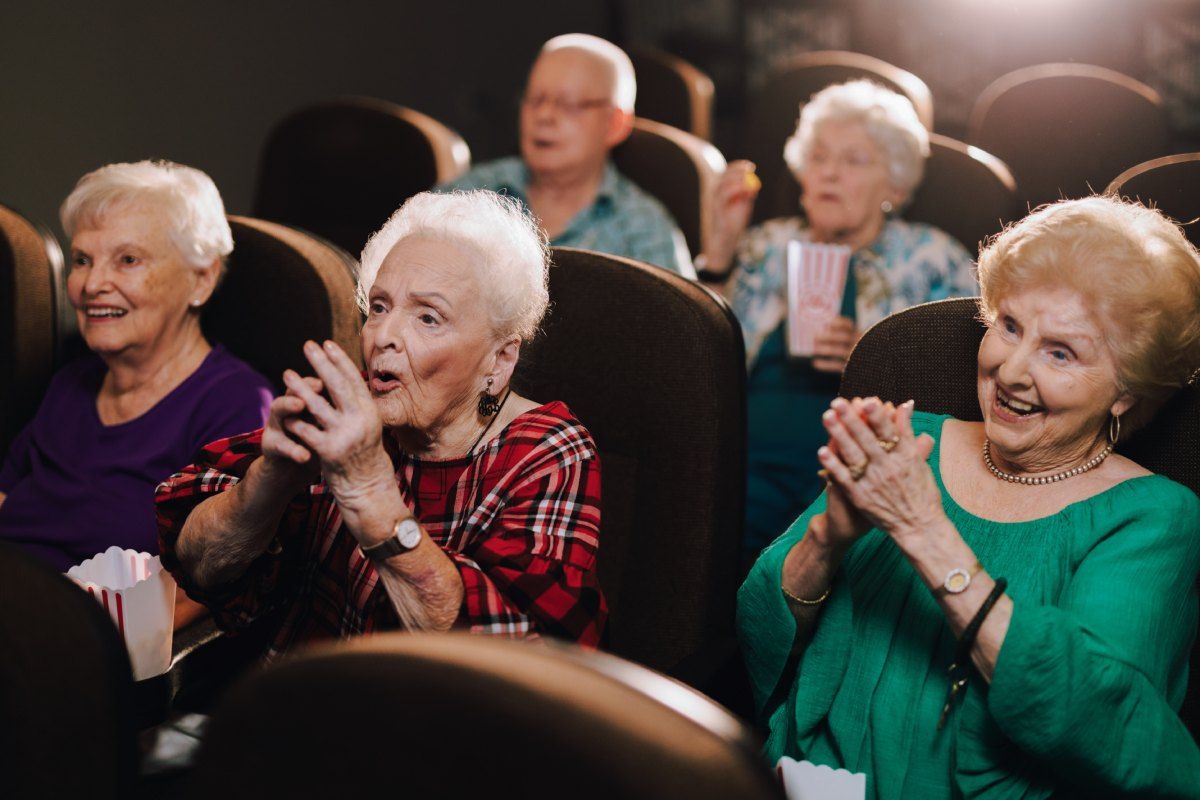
886, 206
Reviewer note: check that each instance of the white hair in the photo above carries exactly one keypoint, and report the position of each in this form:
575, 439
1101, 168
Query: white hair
889, 119
624, 80
513, 254
185, 196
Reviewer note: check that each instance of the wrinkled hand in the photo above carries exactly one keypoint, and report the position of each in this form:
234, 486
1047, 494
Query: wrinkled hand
733, 201
341, 428
831, 347
895, 490
287, 462
845, 523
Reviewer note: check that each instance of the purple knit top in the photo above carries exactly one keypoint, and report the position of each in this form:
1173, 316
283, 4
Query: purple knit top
76, 486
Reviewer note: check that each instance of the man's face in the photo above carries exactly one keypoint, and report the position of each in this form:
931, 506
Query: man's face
568, 121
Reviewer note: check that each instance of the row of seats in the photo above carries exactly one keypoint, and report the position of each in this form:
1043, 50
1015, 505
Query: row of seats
339, 168
543, 719
1064, 129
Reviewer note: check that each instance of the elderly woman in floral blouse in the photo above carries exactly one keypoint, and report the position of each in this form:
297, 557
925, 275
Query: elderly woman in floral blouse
426, 497
858, 153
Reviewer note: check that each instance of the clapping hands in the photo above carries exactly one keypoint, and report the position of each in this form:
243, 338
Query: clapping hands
876, 470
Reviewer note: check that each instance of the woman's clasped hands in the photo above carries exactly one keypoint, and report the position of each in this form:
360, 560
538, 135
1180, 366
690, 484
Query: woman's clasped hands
328, 423
876, 471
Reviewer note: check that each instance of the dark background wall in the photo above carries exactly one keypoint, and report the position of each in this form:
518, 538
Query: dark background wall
85, 83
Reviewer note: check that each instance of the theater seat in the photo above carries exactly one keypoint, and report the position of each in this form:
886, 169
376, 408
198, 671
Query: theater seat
653, 364
1168, 183
33, 317
1066, 130
673, 91
680, 170
341, 167
461, 715
967, 192
283, 287
66, 689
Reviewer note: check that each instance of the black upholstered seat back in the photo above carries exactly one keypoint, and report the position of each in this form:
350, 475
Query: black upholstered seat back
652, 364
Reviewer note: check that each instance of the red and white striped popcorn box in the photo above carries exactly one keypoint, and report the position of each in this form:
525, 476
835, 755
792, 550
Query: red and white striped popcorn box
816, 280
139, 595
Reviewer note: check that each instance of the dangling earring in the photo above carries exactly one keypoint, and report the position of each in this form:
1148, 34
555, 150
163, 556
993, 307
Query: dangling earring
1114, 436
488, 404
886, 206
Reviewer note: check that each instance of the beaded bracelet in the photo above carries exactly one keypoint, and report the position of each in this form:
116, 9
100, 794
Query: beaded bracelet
962, 655
802, 601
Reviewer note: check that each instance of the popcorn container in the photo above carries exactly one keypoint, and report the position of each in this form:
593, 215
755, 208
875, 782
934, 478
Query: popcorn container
139, 595
816, 281
803, 780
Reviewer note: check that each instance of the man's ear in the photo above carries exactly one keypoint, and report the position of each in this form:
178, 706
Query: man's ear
619, 127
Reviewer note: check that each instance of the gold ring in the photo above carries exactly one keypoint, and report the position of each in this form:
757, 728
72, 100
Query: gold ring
888, 445
825, 477
858, 470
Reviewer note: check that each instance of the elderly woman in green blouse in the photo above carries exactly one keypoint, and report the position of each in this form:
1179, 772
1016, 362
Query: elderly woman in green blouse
1004, 608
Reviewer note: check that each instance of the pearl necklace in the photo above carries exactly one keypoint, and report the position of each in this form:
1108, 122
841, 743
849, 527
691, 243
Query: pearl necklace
1027, 481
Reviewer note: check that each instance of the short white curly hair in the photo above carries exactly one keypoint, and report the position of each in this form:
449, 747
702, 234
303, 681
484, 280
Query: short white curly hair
187, 198
889, 119
513, 254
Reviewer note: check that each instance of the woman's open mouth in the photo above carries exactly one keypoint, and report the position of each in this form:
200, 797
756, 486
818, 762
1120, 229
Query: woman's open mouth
1015, 406
383, 381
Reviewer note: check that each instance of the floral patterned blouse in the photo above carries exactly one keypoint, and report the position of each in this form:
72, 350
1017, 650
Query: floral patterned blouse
909, 263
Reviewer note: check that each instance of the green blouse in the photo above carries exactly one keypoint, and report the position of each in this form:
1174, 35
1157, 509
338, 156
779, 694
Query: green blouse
1085, 692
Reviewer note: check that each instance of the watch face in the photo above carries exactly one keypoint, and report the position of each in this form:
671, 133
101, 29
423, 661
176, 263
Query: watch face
409, 533
957, 581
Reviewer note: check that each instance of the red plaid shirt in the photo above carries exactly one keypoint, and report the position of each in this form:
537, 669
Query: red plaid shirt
519, 518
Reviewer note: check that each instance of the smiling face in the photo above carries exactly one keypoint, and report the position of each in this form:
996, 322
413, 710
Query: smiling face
844, 182
568, 120
131, 287
1047, 381
427, 342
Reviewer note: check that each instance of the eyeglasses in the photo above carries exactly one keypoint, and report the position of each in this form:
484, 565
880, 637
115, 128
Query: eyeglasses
563, 105
854, 159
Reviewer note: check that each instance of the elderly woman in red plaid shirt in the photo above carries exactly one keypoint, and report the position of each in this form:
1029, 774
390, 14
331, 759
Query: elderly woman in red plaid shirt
428, 496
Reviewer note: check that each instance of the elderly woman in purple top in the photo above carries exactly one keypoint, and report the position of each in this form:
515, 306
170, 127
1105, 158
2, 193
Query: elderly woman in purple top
148, 247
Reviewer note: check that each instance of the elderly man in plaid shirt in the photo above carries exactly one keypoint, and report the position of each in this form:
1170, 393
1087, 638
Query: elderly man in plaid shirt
428, 496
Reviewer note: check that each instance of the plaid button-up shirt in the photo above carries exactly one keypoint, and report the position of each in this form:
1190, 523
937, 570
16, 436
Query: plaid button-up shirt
519, 517
623, 220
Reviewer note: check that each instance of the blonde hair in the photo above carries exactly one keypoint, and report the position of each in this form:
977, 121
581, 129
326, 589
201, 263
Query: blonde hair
889, 119
513, 255
187, 198
1136, 272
